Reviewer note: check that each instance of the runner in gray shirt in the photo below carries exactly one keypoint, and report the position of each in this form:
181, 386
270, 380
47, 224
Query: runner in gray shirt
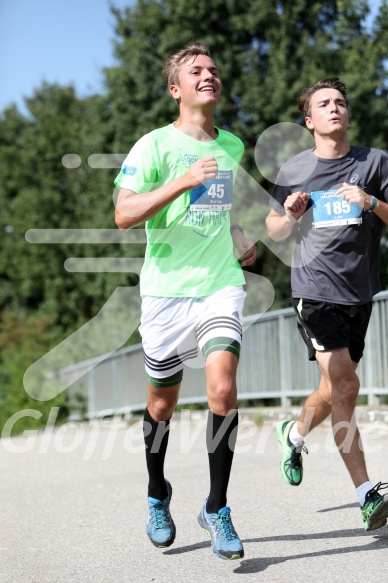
339, 211
337, 250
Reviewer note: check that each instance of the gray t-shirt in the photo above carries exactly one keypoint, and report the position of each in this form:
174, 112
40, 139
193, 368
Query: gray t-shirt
336, 256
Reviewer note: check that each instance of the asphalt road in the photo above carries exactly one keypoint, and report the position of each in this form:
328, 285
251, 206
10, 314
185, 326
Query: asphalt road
73, 509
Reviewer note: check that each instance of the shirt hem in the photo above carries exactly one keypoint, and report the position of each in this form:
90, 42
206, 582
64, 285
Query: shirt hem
189, 294
331, 300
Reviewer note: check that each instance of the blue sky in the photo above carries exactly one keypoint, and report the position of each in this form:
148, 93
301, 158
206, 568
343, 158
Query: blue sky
63, 41
58, 41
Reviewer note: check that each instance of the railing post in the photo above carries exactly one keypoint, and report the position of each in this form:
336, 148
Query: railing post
285, 374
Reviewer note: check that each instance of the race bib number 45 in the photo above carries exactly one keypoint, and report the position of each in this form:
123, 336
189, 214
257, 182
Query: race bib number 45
331, 210
214, 194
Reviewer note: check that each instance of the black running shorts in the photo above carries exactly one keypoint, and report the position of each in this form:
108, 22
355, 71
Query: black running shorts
324, 326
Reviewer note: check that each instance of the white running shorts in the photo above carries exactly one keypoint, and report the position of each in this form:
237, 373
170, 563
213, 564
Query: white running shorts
172, 329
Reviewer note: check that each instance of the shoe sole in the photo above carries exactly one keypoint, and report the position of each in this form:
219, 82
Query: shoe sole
168, 542
379, 518
279, 433
231, 555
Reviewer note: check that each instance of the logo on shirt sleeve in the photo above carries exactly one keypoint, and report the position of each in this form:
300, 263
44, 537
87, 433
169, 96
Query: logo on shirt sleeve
129, 170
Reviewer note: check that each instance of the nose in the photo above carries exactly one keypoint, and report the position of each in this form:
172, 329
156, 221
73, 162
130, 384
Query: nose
208, 74
333, 106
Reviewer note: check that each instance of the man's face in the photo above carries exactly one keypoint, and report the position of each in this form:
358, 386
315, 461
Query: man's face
329, 114
199, 84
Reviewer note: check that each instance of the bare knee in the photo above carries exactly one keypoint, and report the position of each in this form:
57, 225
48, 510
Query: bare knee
160, 410
346, 391
162, 402
222, 396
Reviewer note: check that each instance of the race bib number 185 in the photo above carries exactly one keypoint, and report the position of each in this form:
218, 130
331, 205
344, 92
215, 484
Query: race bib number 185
331, 210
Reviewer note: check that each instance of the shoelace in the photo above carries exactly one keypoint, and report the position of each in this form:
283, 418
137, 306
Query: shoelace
225, 527
296, 456
374, 492
159, 515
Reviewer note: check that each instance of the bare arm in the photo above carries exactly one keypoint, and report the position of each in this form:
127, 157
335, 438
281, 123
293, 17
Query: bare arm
133, 209
246, 249
280, 226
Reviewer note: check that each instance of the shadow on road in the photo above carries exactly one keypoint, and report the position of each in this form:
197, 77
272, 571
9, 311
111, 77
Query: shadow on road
352, 505
258, 565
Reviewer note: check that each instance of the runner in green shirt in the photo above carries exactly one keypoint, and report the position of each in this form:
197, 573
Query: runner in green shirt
190, 250
179, 181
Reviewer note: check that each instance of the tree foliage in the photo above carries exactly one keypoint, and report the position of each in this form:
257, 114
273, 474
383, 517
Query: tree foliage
266, 52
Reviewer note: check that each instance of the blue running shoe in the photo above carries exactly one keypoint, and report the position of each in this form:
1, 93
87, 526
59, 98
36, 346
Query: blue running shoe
160, 526
226, 543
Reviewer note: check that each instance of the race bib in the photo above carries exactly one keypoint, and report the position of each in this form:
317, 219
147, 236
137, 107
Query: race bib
215, 194
331, 210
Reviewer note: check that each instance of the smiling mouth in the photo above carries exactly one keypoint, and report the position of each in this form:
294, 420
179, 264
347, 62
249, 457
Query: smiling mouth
207, 89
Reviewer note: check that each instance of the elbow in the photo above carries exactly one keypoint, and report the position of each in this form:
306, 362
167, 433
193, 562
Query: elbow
276, 231
123, 222
119, 222
277, 237
272, 233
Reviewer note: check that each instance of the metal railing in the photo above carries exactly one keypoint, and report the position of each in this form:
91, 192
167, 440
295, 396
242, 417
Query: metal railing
273, 364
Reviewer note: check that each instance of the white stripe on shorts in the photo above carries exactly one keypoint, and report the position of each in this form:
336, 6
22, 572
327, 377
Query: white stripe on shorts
172, 329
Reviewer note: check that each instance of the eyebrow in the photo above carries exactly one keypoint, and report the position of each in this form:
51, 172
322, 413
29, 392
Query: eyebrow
200, 67
336, 100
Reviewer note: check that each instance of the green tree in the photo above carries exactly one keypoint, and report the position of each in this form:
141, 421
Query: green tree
266, 53
23, 339
38, 191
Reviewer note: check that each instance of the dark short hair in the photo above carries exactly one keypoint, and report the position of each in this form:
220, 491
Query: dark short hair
305, 95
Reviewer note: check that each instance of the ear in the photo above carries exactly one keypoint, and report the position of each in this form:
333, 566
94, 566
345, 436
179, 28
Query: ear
175, 91
309, 123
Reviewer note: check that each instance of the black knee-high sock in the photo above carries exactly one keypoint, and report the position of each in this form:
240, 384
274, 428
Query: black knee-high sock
156, 440
221, 434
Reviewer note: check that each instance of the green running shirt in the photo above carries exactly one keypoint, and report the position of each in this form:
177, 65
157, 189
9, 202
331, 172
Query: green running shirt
189, 247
